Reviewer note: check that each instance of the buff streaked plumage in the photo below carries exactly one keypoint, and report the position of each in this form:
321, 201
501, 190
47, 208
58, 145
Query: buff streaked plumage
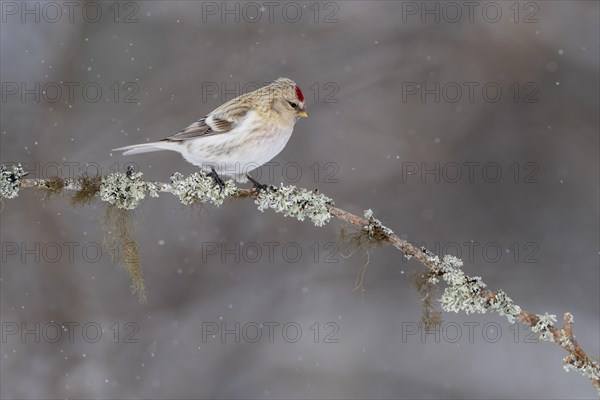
240, 135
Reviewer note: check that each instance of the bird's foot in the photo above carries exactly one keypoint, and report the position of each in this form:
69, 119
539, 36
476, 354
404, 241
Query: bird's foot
217, 179
257, 185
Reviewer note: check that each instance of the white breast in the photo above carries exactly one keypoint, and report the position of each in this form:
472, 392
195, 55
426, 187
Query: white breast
245, 148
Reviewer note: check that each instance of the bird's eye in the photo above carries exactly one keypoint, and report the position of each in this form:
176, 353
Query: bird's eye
293, 105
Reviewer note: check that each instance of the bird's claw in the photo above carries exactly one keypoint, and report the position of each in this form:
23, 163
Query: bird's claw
217, 179
257, 185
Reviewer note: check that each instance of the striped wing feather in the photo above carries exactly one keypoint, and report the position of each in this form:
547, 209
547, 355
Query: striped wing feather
221, 120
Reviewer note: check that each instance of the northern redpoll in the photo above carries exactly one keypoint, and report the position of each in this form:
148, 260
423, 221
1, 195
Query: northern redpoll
240, 135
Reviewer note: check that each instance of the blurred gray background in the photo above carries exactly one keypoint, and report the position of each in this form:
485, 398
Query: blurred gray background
363, 67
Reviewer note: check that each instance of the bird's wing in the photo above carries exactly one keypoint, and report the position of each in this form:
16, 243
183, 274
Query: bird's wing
221, 120
197, 129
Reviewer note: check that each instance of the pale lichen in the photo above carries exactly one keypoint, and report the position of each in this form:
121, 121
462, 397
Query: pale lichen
434, 260
587, 368
375, 229
432, 280
123, 190
464, 292
10, 179
199, 188
152, 189
462, 298
565, 341
543, 326
371, 234
504, 305
569, 318
296, 202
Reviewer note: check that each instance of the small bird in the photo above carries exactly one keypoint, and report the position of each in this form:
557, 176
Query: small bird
240, 135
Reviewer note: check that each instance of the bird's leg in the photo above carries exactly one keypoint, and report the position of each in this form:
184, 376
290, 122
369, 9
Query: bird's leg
218, 181
256, 185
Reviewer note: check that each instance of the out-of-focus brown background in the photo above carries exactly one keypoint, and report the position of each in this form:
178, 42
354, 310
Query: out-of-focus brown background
377, 124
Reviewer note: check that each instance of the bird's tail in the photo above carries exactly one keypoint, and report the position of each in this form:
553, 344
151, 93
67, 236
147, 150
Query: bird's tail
148, 147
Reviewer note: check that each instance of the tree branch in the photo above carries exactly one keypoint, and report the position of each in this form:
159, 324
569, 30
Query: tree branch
124, 191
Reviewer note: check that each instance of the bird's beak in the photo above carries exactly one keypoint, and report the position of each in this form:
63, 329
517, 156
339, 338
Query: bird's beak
303, 113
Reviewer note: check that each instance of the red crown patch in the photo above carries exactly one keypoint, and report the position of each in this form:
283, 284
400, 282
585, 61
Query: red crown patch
299, 94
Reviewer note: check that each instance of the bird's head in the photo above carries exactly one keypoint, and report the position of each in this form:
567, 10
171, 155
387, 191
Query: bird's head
288, 98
